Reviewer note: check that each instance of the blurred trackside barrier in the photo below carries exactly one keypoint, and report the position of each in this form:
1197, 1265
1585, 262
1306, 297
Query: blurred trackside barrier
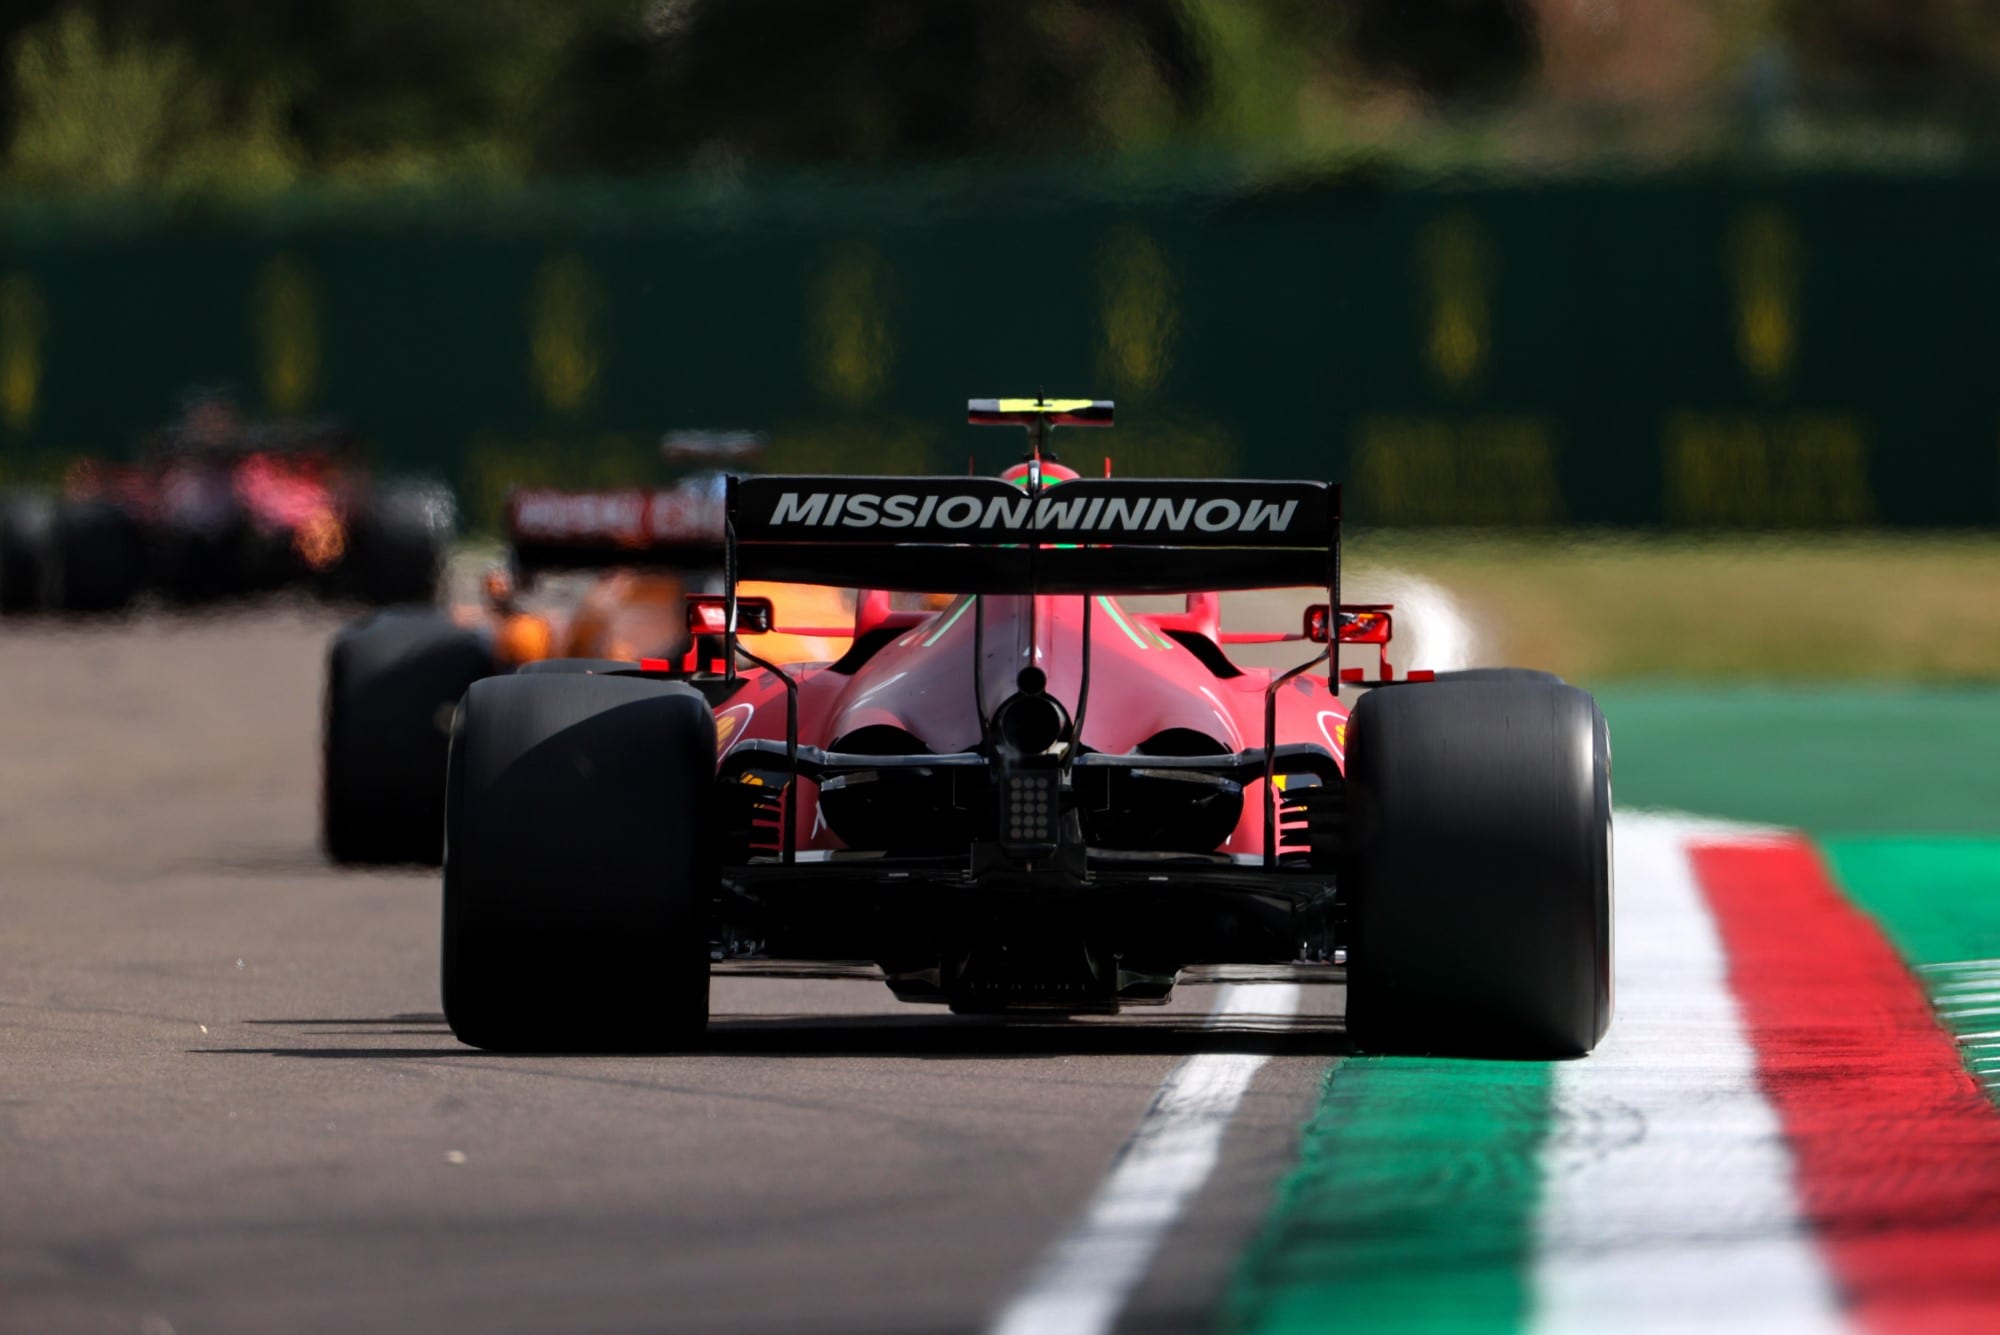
1698, 350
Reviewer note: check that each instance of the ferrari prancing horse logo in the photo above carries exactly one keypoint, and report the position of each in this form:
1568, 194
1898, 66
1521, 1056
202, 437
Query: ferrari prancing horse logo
1334, 732
728, 724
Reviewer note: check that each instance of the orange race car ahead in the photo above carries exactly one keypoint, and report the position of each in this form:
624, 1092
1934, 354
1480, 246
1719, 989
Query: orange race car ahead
594, 581
638, 614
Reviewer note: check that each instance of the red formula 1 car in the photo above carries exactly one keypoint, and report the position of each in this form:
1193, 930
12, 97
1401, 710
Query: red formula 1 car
1036, 797
218, 506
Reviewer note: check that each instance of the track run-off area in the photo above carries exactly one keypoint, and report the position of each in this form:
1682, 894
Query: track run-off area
228, 1102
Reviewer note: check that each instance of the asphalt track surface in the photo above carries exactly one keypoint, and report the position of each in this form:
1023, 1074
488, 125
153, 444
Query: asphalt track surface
228, 1101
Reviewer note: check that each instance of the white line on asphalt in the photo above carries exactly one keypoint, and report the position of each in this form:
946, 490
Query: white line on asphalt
1082, 1282
1666, 1171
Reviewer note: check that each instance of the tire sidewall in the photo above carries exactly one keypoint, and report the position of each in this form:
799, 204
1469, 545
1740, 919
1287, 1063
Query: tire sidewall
1478, 885
581, 862
390, 677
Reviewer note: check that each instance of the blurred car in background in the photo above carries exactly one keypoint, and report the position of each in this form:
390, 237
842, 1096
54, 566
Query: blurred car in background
593, 579
218, 506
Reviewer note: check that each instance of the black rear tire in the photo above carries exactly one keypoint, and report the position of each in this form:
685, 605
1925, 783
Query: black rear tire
96, 558
1478, 876
571, 666
27, 523
1500, 674
392, 682
399, 544
580, 864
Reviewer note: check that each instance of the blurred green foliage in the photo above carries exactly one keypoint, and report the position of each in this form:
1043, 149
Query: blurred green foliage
124, 115
252, 96
245, 95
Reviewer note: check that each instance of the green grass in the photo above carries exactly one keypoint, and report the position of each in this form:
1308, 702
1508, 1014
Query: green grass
1600, 607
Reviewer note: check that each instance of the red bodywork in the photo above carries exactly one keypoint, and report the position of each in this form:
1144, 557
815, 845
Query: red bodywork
1143, 682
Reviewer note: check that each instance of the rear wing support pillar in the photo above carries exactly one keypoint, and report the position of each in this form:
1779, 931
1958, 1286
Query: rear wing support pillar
788, 821
1329, 655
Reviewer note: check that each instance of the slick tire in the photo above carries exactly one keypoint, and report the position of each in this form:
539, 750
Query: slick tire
1478, 872
400, 538
1500, 674
575, 666
27, 523
392, 682
96, 559
580, 864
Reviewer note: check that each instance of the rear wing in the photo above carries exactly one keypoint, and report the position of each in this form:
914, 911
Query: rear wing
552, 529
983, 535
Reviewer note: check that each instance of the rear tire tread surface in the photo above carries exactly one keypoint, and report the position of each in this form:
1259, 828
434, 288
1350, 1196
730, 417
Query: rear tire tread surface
400, 537
576, 666
1491, 674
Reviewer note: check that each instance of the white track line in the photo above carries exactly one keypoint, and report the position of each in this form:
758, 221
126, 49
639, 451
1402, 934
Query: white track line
1665, 1172
1082, 1282
1962, 966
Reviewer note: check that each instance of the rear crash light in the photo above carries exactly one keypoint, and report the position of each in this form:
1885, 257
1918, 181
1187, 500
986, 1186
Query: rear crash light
1030, 807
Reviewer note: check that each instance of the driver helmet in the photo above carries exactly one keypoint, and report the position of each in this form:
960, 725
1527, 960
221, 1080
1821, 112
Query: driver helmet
1051, 472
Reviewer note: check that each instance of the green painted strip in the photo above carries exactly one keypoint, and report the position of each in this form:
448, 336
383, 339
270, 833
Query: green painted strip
1413, 1205
1832, 760
1938, 898
1111, 610
950, 621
